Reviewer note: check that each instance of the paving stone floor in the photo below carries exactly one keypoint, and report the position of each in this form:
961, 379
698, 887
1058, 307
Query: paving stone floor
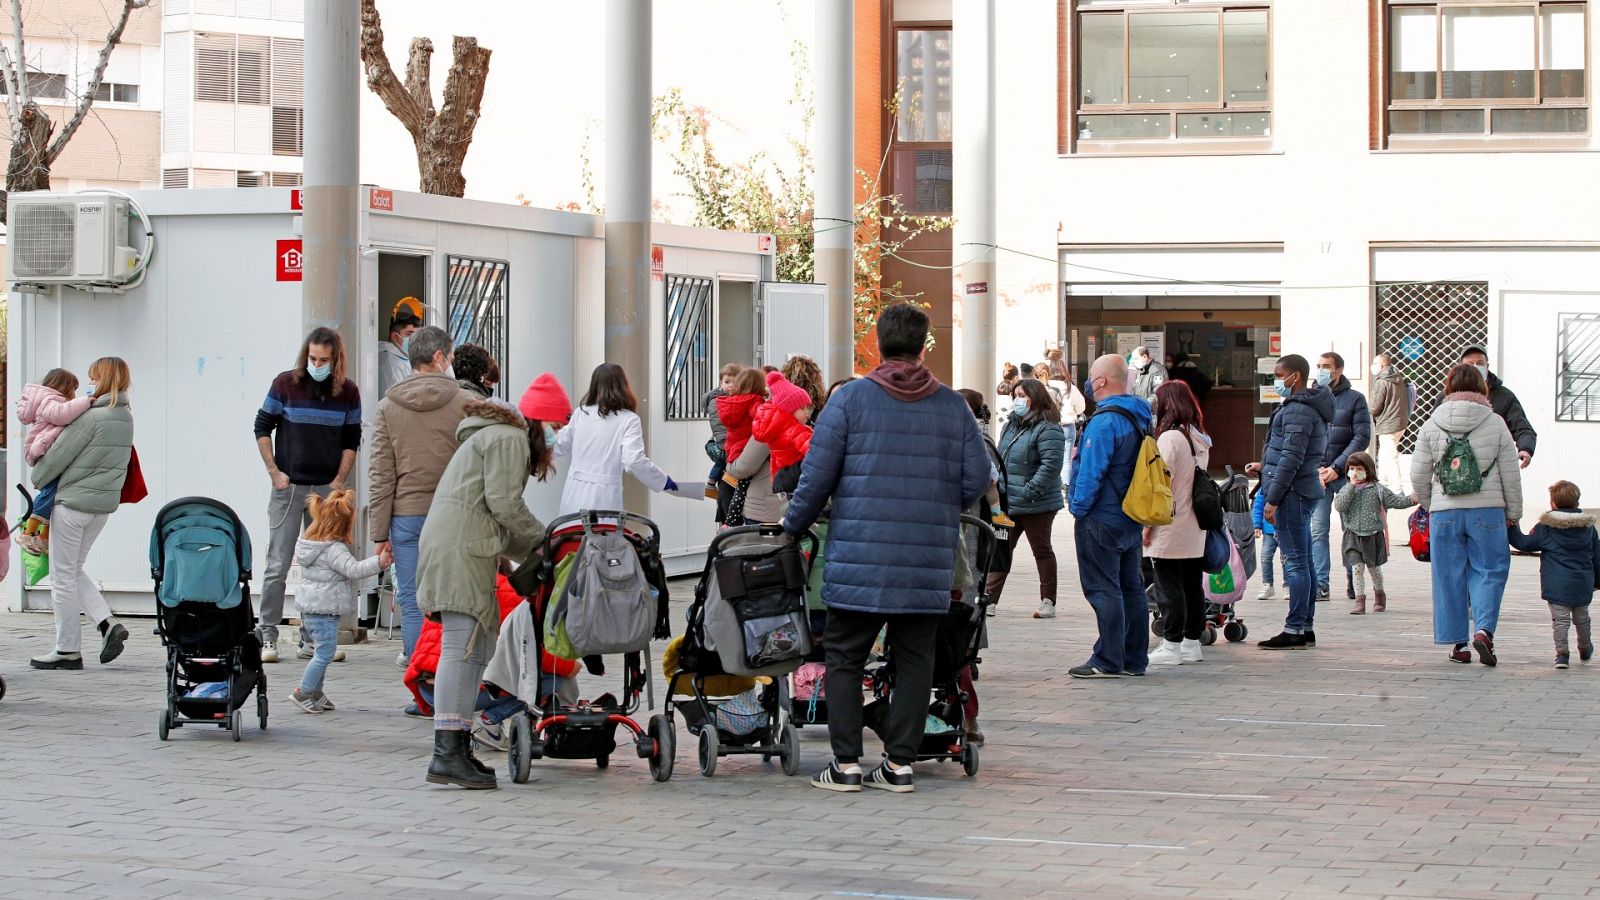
1368, 767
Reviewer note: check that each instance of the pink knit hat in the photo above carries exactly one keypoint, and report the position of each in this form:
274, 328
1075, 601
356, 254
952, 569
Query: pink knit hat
546, 401
785, 395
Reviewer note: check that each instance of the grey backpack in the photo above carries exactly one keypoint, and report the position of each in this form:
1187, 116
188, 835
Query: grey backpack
608, 606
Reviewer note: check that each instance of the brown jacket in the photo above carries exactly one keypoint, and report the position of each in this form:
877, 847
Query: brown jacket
411, 445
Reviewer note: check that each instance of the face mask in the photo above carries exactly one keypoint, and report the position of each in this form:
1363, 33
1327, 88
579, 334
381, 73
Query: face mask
450, 372
1021, 407
1281, 386
320, 373
1358, 475
1324, 377
1484, 371
1377, 369
549, 435
405, 345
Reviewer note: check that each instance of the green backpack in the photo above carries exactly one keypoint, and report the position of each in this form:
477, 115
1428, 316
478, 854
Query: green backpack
1458, 468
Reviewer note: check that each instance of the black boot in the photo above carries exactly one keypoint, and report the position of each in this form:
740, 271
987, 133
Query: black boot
473, 758
452, 763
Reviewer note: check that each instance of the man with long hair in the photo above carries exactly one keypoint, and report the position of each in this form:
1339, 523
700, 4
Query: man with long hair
308, 431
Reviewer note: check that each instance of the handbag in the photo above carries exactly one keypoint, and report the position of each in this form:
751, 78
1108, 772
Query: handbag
133, 486
35, 567
1219, 548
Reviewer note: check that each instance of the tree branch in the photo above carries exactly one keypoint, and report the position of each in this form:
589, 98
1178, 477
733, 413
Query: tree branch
463, 91
16, 70
380, 74
419, 77
86, 98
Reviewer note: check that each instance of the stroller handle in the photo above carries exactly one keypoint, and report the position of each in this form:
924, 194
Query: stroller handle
27, 513
985, 554
594, 517
808, 540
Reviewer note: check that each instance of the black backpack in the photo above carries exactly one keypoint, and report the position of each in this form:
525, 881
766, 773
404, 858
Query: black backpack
1205, 498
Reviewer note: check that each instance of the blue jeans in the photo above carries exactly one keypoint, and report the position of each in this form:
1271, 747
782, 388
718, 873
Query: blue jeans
324, 634
1293, 531
1269, 553
495, 709
1071, 429
403, 534
1471, 560
1108, 568
1321, 528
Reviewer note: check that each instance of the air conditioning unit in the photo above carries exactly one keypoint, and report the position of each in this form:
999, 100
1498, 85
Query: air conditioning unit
70, 239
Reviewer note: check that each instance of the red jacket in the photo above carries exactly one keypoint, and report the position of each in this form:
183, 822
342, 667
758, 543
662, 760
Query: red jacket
737, 415
783, 434
425, 656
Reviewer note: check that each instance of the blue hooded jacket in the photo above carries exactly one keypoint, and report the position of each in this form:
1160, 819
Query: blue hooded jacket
900, 472
1569, 555
1107, 451
1350, 431
1296, 442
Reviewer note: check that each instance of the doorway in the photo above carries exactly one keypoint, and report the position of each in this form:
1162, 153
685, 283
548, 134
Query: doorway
736, 322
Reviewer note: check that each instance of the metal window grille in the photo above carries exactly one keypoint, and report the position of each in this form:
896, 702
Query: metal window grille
689, 368
1424, 327
478, 293
1578, 372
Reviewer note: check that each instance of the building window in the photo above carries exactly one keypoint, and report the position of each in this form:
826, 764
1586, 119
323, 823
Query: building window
42, 86
174, 179
288, 131
690, 371
478, 300
1578, 368
1165, 70
1476, 70
117, 93
920, 169
1424, 325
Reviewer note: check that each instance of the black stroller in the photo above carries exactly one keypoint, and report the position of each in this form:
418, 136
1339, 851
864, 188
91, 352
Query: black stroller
748, 620
587, 729
200, 560
959, 638
1221, 618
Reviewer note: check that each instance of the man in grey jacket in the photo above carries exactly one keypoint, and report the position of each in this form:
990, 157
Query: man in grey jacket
1391, 412
1145, 374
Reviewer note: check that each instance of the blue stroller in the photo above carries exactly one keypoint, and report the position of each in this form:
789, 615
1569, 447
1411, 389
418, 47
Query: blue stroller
200, 560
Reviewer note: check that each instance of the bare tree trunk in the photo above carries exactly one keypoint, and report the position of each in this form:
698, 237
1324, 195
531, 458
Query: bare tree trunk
28, 169
442, 137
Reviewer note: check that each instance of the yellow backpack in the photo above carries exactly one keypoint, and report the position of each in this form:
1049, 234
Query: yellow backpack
1149, 497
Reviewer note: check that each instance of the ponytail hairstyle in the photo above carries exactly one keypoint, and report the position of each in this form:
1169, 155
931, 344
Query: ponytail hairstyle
332, 518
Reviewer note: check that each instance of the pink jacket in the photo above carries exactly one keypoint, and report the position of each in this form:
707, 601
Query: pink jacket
48, 413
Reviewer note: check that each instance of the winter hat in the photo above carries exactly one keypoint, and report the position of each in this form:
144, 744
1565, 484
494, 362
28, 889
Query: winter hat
785, 395
546, 401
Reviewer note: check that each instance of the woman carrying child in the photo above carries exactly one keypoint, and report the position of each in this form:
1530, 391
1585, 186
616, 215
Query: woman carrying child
1363, 504
329, 574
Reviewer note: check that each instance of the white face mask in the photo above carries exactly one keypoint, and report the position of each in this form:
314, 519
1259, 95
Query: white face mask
1359, 476
1377, 369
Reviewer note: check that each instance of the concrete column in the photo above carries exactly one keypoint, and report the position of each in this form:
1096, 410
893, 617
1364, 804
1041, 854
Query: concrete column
973, 160
332, 153
835, 194
627, 198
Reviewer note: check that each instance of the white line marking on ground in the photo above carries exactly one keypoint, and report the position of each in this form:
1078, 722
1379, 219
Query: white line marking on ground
891, 896
1074, 843
1289, 722
1216, 753
1333, 694
1167, 794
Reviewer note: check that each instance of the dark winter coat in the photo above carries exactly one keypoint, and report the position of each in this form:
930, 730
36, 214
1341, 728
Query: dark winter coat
1569, 555
1033, 454
899, 472
1107, 452
1297, 440
1509, 408
1190, 374
1351, 428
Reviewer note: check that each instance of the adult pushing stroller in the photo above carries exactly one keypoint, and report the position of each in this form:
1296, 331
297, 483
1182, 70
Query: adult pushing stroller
748, 621
958, 640
598, 571
200, 560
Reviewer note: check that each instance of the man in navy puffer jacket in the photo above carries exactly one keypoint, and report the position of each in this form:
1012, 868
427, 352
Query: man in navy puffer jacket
1291, 480
901, 456
1107, 541
1349, 432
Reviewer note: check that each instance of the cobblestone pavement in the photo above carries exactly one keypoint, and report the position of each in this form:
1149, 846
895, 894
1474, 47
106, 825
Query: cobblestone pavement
1369, 766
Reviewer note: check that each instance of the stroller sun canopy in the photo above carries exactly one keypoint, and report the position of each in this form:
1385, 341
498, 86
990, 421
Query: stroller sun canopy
199, 553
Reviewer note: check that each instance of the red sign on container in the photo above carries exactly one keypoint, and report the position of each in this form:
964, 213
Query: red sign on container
381, 200
296, 200
291, 259
658, 263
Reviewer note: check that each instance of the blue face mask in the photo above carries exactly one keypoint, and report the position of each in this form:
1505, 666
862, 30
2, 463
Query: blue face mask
320, 373
1324, 377
405, 345
549, 435
1282, 387
1020, 408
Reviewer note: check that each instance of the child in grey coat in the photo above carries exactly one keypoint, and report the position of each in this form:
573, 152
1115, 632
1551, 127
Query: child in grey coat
329, 573
1362, 505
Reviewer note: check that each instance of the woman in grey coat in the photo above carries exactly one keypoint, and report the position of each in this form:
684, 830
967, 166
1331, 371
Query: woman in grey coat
1467, 531
90, 459
1034, 449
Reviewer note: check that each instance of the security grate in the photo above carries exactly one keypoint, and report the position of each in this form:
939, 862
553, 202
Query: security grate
689, 368
1578, 368
477, 294
1425, 326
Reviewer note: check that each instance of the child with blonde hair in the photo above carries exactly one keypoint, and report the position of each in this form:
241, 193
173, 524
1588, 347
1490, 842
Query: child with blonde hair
329, 574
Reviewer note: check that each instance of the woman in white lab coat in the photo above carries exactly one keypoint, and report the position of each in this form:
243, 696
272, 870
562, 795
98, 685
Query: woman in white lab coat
605, 440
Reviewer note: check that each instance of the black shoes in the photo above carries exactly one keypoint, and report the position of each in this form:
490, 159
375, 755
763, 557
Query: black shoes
113, 636
1284, 641
1311, 638
885, 778
834, 778
1087, 671
1322, 593
452, 762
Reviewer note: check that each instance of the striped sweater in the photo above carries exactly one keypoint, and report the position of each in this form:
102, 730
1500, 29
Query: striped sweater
311, 428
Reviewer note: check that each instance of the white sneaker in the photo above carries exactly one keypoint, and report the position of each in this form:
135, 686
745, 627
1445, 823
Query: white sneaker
1267, 593
307, 651
402, 660
269, 652
1047, 610
1167, 654
1190, 651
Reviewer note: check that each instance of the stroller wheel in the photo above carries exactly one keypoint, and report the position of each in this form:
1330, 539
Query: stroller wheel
261, 710
969, 759
602, 762
1209, 636
1244, 631
519, 755
709, 750
791, 750
1234, 632
660, 731
1158, 624
2, 688
236, 725
163, 723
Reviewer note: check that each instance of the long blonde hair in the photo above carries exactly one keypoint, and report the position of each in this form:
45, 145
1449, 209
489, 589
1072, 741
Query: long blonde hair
111, 377
333, 518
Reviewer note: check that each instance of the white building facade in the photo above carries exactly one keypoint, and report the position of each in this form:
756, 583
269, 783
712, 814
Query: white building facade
233, 106
1226, 179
